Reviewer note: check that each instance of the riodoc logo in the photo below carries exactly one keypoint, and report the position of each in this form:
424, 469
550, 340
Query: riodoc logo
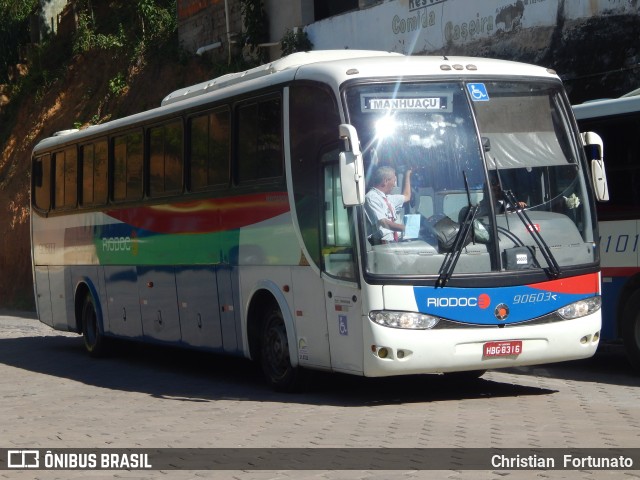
483, 301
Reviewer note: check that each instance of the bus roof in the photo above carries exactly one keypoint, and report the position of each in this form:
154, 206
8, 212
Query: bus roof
351, 63
289, 62
331, 66
607, 108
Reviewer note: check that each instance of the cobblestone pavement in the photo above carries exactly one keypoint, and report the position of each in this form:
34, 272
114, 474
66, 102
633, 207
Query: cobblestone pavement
54, 396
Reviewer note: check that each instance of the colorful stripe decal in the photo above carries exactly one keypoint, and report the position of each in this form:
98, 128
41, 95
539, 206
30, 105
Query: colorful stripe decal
205, 216
582, 285
505, 305
207, 231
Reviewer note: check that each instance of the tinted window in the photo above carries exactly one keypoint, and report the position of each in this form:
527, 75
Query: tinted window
621, 154
66, 178
314, 121
165, 159
260, 140
127, 167
42, 182
210, 150
94, 173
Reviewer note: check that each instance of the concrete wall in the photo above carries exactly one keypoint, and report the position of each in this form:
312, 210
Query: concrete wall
420, 26
49, 15
202, 23
297, 13
592, 44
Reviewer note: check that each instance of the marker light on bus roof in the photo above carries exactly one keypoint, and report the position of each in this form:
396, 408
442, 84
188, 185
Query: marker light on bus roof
412, 320
580, 308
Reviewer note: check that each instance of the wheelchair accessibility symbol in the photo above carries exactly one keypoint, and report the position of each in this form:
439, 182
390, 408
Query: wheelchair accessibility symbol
478, 92
342, 325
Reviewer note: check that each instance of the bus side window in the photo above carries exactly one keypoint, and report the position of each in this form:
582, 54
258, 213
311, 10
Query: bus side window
313, 123
42, 182
127, 166
94, 173
210, 145
337, 248
260, 140
66, 178
165, 159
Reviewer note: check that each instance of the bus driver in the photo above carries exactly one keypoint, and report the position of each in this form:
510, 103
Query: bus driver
381, 206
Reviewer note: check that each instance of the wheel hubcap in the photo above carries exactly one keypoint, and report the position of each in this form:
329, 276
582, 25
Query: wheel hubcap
276, 349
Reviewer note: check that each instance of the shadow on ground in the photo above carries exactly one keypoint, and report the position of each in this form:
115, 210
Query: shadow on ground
609, 366
194, 376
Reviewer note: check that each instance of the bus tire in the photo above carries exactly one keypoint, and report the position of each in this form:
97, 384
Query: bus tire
630, 329
274, 354
94, 340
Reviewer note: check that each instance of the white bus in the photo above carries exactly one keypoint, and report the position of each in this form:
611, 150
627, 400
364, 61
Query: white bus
617, 121
232, 218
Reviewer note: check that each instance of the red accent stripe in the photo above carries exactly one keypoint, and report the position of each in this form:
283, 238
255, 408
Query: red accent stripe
619, 271
205, 216
582, 285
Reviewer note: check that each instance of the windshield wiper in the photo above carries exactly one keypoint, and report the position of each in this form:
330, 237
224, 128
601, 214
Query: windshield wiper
452, 256
554, 269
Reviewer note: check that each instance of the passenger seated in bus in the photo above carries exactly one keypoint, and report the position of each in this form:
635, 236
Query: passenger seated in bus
381, 206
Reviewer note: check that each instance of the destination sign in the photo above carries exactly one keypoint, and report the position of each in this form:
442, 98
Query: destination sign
372, 103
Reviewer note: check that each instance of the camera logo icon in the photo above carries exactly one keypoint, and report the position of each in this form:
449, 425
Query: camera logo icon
23, 459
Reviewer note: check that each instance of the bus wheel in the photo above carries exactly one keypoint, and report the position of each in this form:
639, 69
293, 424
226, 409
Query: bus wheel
94, 340
631, 329
274, 354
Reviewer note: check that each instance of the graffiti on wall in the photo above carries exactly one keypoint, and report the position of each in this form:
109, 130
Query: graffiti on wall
417, 25
430, 14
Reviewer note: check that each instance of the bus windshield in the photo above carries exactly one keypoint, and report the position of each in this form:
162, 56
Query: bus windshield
504, 150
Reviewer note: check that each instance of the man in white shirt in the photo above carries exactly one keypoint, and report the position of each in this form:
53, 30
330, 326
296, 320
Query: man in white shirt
381, 206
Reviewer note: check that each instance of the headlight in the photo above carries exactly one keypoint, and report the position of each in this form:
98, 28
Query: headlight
580, 308
416, 321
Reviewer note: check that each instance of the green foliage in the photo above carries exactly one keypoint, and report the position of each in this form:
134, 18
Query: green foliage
86, 38
129, 26
16, 9
156, 22
293, 42
256, 29
117, 84
14, 31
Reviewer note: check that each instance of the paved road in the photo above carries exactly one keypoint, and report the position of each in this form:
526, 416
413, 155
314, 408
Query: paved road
53, 396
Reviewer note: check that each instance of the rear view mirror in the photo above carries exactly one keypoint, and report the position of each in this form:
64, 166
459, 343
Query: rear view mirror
351, 167
594, 150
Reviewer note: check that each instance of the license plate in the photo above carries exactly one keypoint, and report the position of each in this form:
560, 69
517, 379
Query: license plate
503, 349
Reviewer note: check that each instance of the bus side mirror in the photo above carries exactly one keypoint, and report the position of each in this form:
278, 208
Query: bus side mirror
351, 167
594, 150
